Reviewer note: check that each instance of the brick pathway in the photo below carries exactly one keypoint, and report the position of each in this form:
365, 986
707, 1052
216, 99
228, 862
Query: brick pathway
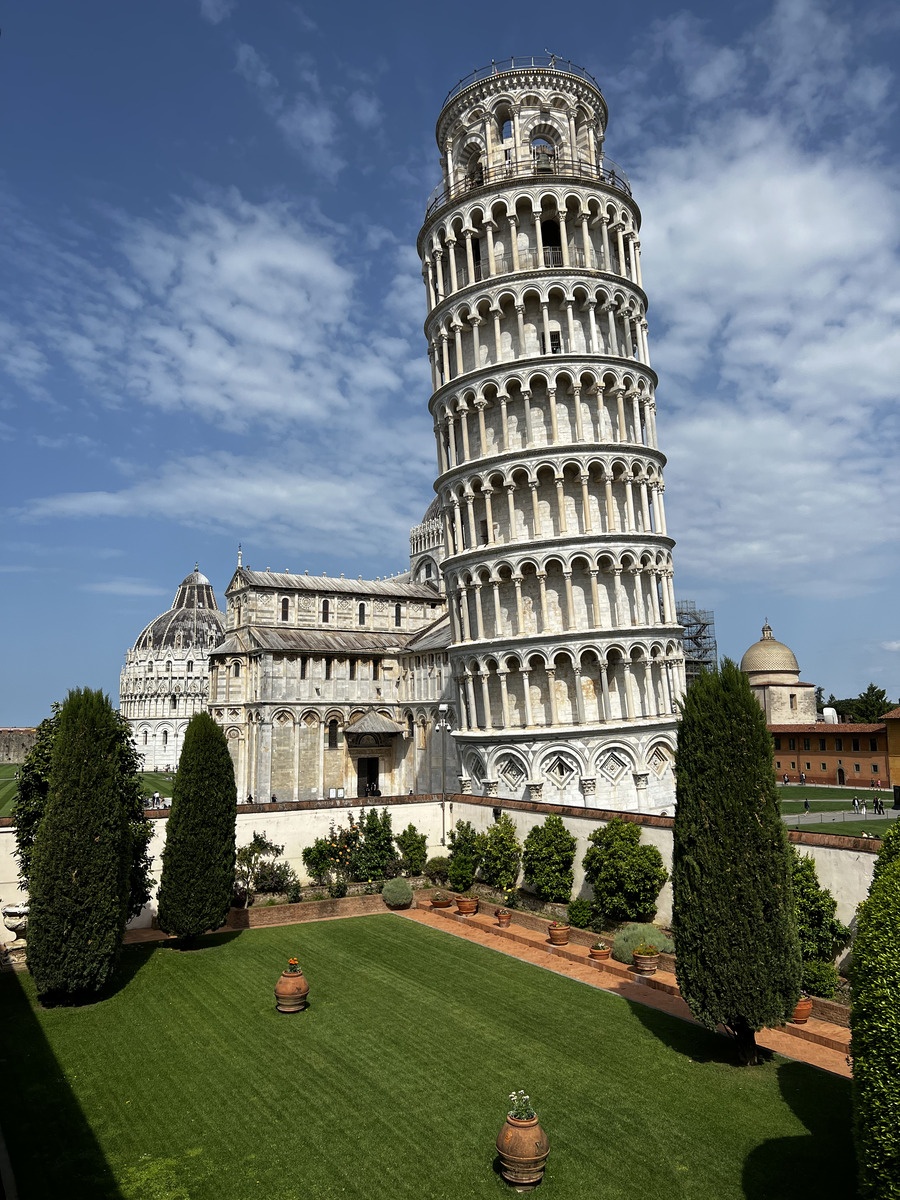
816, 1043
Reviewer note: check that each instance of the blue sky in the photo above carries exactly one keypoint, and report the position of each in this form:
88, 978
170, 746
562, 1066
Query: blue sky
211, 323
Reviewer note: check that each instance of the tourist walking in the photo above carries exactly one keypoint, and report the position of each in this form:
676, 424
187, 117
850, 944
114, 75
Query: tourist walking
806, 806
856, 804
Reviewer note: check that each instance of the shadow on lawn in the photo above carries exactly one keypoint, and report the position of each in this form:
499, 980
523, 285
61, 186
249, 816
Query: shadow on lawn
695, 1042
820, 1163
51, 1145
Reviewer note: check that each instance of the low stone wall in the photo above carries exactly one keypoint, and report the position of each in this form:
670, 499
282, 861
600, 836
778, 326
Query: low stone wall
257, 917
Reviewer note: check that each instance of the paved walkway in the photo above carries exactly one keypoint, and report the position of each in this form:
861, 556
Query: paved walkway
817, 1043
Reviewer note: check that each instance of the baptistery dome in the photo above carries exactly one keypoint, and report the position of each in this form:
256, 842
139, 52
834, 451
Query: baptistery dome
770, 657
165, 679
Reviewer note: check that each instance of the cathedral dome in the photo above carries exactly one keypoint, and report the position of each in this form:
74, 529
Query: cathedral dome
770, 656
194, 620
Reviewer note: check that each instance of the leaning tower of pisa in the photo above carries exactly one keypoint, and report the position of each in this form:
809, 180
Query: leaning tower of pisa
558, 565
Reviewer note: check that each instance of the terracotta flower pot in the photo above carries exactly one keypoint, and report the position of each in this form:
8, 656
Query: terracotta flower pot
802, 1011
523, 1147
466, 905
503, 920
559, 935
645, 964
601, 955
440, 903
291, 991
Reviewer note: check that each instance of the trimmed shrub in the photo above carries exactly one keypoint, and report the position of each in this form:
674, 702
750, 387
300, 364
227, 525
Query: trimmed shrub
875, 1044
81, 858
547, 860
626, 877
501, 854
376, 846
249, 862
579, 913
889, 852
436, 869
461, 875
274, 877
733, 913
317, 860
397, 893
820, 979
197, 883
413, 847
628, 939
463, 839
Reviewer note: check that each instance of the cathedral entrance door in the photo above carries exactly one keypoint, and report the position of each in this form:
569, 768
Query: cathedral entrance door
367, 775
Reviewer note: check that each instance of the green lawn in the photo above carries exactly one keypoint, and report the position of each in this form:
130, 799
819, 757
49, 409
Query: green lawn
156, 781
8, 787
186, 1084
810, 792
878, 828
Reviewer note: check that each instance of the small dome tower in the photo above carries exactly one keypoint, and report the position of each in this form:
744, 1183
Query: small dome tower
774, 675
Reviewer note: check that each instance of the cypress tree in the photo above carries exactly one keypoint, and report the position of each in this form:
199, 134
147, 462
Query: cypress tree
738, 955
81, 858
197, 883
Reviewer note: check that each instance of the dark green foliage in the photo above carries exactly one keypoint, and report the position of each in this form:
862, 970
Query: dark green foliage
501, 854
81, 857
461, 875
317, 860
249, 862
875, 1045
630, 937
274, 877
463, 839
338, 889
397, 893
197, 883
820, 933
820, 978
889, 852
413, 847
547, 860
867, 708
377, 845
738, 955
34, 786
436, 868
626, 877
579, 913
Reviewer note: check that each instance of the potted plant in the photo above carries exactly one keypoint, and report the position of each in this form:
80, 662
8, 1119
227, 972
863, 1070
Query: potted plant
292, 989
466, 904
440, 899
600, 951
504, 916
522, 1145
646, 959
802, 1009
559, 933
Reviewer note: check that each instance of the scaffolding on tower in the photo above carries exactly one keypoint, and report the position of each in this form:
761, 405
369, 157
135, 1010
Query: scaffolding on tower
700, 653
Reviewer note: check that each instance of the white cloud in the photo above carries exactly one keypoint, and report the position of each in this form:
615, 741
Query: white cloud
890, 645
216, 11
124, 587
365, 109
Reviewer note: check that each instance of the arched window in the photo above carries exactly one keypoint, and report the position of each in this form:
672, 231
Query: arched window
168, 668
506, 130
285, 609
149, 668
327, 668
352, 668
397, 614
236, 670
332, 735
303, 662
189, 668
173, 703
544, 156
361, 614
145, 737
375, 669
326, 611
165, 738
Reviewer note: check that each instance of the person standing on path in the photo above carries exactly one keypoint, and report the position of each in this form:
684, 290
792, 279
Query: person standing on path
806, 805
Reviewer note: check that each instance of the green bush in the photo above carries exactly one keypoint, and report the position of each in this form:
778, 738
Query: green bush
889, 852
628, 939
397, 893
820, 979
821, 934
338, 889
547, 860
250, 862
437, 868
579, 913
413, 847
317, 860
461, 875
376, 847
501, 854
463, 839
626, 877
875, 1044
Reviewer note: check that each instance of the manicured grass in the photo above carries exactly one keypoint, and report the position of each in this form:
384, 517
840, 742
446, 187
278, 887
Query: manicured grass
810, 792
156, 781
187, 1084
878, 828
8, 787
795, 806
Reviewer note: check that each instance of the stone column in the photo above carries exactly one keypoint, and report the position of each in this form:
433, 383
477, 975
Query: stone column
561, 504
570, 601
511, 508
486, 700
551, 695
535, 509
595, 600
520, 616
488, 511
542, 584
504, 698
579, 696
587, 520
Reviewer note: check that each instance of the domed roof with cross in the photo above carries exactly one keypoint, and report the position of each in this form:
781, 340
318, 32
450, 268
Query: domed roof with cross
770, 656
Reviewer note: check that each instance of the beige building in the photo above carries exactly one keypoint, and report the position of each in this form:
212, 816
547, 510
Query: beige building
774, 675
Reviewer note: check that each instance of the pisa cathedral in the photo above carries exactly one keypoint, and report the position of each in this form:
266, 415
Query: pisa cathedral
539, 605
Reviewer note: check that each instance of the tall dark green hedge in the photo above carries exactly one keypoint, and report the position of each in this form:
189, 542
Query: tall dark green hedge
738, 955
197, 882
81, 859
875, 1044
